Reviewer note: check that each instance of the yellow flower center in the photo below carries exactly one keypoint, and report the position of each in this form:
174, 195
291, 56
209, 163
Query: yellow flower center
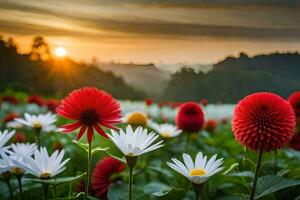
45, 175
166, 134
137, 119
17, 170
130, 154
197, 172
37, 125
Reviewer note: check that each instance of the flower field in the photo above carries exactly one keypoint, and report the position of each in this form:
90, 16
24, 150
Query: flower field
92, 146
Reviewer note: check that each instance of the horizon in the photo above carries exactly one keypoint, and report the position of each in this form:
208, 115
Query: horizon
158, 31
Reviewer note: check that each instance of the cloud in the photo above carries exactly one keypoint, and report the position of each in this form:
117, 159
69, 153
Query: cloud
237, 25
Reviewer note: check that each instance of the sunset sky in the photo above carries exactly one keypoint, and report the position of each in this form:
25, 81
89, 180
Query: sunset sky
160, 31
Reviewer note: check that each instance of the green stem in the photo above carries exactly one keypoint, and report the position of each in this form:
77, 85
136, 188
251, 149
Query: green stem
10, 189
19, 178
187, 142
87, 183
54, 192
37, 136
130, 184
256, 173
131, 162
197, 189
46, 189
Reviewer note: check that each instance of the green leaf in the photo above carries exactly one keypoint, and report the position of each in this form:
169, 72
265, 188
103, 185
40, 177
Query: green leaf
269, 184
234, 165
173, 193
154, 187
99, 149
120, 192
123, 160
248, 174
85, 147
57, 181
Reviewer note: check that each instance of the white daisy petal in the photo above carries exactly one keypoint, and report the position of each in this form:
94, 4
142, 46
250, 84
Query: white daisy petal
134, 142
199, 171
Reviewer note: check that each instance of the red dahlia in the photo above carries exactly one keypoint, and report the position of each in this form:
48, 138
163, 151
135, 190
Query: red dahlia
52, 104
263, 120
10, 117
91, 108
210, 125
10, 99
294, 100
35, 99
102, 175
204, 102
20, 137
148, 102
190, 117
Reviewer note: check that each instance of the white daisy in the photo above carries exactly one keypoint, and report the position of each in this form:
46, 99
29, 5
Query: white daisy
16, 154
165, 130
5, 163
14, 124
199, 171
4, 137
20, 150
42, 121
44, 166
135, 143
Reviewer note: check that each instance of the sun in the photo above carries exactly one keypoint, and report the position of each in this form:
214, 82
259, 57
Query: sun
60, 52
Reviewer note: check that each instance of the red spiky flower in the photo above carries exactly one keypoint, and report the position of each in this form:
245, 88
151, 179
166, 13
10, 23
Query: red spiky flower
190, 117
210, 125
90, 108
263, 121
294, 100
102, 175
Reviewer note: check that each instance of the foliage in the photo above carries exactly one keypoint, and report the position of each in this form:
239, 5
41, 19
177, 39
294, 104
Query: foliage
275, 73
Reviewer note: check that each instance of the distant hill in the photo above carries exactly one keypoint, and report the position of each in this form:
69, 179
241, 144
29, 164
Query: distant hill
56, 77
233, 78
147, 78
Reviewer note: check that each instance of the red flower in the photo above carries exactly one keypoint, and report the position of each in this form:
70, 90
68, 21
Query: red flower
190, 117
294, 100
10, 117
10, 99
102, 175
91, 108
263, 120
52, 104
204, 102
210, 125
149, 102
295, 142
20, 137
81, 188
35, 99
